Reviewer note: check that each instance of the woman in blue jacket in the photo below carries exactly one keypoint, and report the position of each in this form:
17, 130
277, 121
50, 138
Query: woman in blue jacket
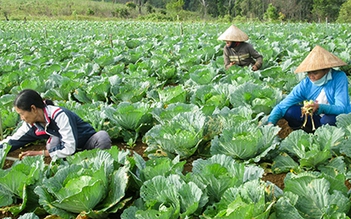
325, 87
66, 132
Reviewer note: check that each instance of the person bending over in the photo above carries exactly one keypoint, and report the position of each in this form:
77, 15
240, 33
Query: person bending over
324, 92
237, 51
65, 132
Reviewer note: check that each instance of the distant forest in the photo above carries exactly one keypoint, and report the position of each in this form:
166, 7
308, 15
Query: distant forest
181, 10
289, 10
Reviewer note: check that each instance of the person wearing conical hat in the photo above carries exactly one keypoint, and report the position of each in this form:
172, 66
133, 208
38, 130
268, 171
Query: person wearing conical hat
324, 92
237, 51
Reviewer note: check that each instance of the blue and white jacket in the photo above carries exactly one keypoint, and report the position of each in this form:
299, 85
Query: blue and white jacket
336, 91
72, 131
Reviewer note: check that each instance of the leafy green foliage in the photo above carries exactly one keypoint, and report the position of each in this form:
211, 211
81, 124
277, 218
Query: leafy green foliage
180, 136
245, 142
166, 83
246, 201
90, 180
17, 195
311, 195
134, 118
220, 172
260, 99
310, 150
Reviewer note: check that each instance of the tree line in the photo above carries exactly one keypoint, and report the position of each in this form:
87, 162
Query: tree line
289, 10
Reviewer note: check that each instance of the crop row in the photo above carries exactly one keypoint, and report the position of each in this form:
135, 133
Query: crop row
165, 83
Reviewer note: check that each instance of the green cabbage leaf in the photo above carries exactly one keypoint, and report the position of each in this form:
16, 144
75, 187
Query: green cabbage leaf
246, 201
246, 141
310, 151
17, 195
313, 195
220, 172
168, 197
90, 183
180, 136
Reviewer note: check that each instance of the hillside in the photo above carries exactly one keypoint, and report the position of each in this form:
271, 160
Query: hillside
64, 9
168, 10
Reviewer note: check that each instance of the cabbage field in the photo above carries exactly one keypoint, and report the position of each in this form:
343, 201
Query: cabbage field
165, 84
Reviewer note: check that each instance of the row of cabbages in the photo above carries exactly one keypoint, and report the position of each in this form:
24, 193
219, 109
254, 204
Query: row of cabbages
227, 184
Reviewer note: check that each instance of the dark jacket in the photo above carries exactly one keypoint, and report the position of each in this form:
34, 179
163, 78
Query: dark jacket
72, 131
242, 54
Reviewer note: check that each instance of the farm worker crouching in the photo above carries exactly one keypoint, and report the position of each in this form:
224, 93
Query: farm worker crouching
65, 131
237, 51
324, 91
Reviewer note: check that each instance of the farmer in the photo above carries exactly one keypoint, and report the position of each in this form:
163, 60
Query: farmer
66, 133
237, 51
325, 89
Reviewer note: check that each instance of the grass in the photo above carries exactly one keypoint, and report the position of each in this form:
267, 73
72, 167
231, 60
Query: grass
61, 9
87, 10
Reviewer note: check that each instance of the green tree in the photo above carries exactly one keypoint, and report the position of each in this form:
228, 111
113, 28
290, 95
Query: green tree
327, 9
303, 12
175, 5
344, 14
204, 5
222, 8
271, 14
231, 9
213, 8
296, 10
251, 8
158, 3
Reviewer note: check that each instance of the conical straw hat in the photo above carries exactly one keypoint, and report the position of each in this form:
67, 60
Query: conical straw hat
233, 34
317, 59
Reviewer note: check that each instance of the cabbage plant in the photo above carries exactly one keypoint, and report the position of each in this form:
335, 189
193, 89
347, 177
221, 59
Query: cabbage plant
309, 151
248, 200
61, 87
91, 183
343, 121
4, 150
146, 170
246, 141
180, 136
134, 118
17, 183
168, 95
168, 197
313, 195
211, 96
8, 116
226, 118
259, 97
131, 89
202, 74
9, 119
163, 192
163, 115
221, 172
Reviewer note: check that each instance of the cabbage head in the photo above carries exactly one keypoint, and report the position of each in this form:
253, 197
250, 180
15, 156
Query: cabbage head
246, 141
93, 186
180, 136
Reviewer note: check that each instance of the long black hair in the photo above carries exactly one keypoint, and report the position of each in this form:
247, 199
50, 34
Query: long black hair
27, 97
